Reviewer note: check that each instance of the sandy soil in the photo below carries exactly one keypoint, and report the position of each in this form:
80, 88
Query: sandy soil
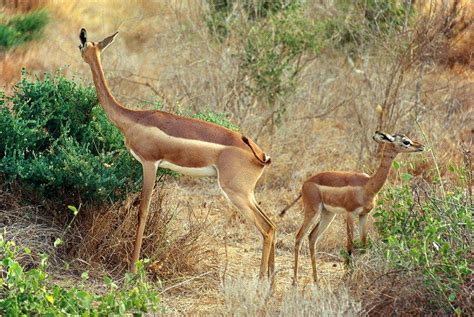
238, 247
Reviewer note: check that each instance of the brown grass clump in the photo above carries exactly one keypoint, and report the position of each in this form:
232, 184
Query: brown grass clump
245, 296
455, 23
174, 240
383, 290
22, 5
29, 228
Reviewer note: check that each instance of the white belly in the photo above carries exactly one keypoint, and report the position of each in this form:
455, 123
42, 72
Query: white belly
335, 210
341, 211
191, 171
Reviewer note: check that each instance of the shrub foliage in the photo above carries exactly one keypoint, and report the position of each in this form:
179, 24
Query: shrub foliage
425, 229
56, 140
22, 28
32, 291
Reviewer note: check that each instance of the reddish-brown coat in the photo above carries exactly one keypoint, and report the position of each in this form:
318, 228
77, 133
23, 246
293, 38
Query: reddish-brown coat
149, 146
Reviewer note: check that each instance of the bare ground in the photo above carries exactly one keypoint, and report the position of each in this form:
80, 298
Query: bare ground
239, 248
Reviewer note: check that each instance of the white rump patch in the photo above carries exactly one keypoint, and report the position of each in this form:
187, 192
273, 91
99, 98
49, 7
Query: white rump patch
191, 171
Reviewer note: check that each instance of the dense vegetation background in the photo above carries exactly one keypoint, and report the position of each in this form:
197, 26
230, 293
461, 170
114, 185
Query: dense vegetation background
309, 81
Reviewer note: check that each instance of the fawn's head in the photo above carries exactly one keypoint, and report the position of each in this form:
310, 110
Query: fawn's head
398, 143
90, 50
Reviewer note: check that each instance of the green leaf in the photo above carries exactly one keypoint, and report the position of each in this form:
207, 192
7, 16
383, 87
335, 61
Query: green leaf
73, 209
85, 299
85, 275
406, 177
396, 165
57, 242
451, 168
452, 297
49, 298
122, 308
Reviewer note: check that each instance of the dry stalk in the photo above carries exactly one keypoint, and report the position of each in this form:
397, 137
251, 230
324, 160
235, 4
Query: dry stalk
175, 247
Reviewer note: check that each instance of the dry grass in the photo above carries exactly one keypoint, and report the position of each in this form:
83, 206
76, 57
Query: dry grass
384, 290
245, 296
175, 239
30, 228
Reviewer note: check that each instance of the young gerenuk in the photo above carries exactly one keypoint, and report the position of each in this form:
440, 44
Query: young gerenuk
350, 194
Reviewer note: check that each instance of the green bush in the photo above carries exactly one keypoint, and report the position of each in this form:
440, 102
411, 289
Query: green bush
274, 41
57, 141
22, 28
273, 50
424, 230
222, 16
25, 292
362, 21
383, 15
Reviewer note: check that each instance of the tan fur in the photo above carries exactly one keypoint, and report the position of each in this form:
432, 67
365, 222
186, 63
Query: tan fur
186, 145
348, 193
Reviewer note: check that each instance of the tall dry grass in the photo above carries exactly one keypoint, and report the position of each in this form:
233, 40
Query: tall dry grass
176, 242
245, 296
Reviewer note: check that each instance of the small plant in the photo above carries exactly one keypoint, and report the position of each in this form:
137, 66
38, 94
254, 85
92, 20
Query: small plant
223, 12
33, 291
424, 230
217, 118
273, 42
22, 28
384, 15
360, 22
273, 50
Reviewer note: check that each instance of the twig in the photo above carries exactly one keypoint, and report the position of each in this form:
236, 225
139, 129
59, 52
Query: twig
226, 255
386, 274
327, 111
185, 281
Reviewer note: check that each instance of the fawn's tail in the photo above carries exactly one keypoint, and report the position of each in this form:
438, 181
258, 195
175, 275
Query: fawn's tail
282, 213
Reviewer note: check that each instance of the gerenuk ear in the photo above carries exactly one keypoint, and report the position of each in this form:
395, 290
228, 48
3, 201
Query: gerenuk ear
107, 41
383, 137
83, 36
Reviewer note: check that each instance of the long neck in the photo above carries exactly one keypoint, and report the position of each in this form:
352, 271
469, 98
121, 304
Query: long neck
378, 179
116, 112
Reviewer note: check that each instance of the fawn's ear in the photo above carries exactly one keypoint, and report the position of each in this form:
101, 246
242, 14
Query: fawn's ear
382, 137
83, 36
107, 41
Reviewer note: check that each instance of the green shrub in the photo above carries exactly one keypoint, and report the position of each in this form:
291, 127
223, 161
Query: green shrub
274, 41
32, 291
383, 15
273, 49
362, 21
22, 28
423, 230
222, 15
213, 117
56, 140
